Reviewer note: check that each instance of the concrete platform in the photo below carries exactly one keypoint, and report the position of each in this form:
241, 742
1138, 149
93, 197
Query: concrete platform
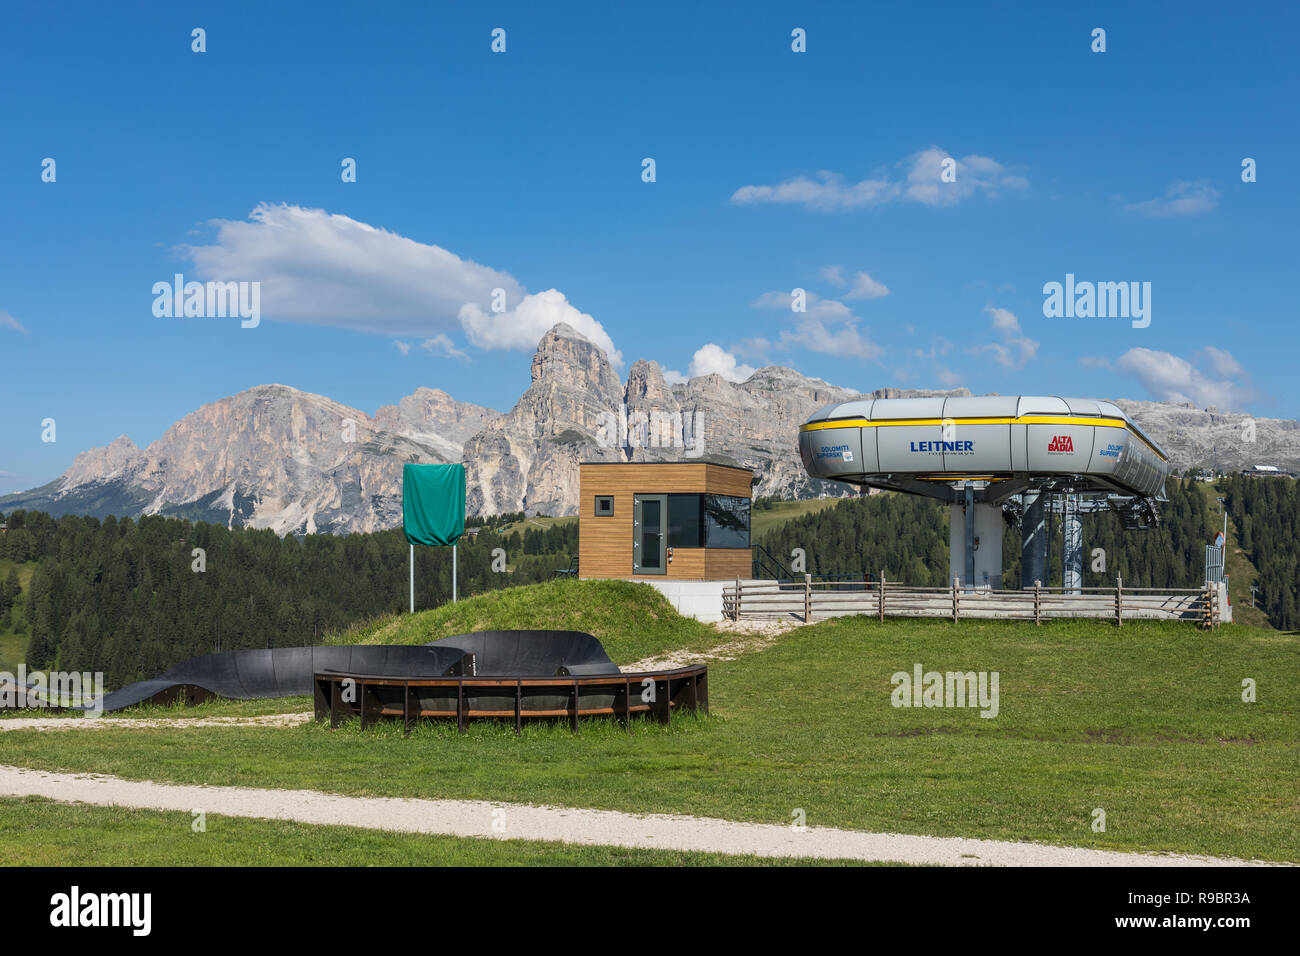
701, 600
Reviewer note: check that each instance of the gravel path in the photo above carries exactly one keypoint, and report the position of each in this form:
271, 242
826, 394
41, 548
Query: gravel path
470, 818
748, 637
144, 723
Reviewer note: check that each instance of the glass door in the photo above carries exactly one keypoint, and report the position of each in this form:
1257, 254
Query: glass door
649, 515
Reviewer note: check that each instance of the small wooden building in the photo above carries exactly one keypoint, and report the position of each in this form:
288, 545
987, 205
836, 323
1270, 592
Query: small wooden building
676, 521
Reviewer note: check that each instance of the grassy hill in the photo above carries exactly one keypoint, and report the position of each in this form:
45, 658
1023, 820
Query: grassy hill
632, 620
541, 523
1238, 566
778, 513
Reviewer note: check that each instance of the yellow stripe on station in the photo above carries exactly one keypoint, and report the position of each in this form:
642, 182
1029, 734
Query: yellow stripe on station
1096, 421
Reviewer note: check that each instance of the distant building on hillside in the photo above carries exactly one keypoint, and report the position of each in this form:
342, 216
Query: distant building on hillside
1266, 471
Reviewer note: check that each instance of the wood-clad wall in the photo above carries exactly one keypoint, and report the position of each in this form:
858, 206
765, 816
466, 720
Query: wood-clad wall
605, 543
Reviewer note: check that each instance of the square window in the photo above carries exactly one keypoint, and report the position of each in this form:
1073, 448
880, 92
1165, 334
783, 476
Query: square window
604, 506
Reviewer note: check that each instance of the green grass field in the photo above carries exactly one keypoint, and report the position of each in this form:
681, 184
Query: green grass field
1144, 721
41, 832
534, 523
13, 644
762, 520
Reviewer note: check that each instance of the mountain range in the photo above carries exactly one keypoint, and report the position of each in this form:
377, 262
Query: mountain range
276, 457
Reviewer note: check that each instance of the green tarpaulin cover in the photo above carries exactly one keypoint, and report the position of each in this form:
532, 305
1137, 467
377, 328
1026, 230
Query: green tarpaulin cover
433, 503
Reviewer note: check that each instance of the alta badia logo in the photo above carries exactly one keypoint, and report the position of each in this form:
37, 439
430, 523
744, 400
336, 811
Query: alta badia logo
1060, 444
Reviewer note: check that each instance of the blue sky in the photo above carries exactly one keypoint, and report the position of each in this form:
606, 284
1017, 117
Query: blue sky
522, 170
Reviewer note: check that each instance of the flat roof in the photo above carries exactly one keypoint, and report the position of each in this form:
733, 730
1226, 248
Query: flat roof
656, 464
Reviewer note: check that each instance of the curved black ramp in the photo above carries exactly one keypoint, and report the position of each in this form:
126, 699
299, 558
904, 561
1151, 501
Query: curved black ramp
281, 671
533, 653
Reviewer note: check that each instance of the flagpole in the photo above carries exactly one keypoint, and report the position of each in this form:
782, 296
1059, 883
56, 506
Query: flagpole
412, 579
453, 573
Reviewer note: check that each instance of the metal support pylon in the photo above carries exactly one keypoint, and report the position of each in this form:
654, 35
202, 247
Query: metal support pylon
1072, 545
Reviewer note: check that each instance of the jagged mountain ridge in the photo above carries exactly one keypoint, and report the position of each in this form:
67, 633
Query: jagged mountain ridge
269, 457
280, 458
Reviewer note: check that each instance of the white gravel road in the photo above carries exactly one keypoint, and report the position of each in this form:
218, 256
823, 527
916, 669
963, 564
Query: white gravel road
473, 818
144, 723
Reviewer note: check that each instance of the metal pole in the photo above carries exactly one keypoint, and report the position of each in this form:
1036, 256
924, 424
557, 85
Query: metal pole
1072, 545
453, 573
970, 535
1033, 539
412, 579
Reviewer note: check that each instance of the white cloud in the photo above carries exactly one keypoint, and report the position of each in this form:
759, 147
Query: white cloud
827, 193
827, 326
674, 378
321, 268
327, 269
922, 183
865, 287
834, 275
939, 347
714, 360
936, 358
442, 346
813, 303
755, 348
1016, 349
1222, 362
974, 174
1180, 199
1169, 378
816, 335
7, 321
403, 347
523, 326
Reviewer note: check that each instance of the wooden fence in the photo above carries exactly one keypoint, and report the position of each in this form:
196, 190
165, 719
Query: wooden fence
810, 599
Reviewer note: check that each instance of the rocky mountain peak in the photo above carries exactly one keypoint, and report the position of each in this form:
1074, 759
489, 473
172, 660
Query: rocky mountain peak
566, 355
101, 464
919, 393
646, 384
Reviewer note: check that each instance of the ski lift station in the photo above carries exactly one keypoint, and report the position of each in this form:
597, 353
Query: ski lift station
992, 460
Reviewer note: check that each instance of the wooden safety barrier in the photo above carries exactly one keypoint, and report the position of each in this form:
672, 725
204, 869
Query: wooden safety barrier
373, 697
809, 599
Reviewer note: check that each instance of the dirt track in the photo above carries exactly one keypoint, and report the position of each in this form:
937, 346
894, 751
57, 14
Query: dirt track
472, 818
